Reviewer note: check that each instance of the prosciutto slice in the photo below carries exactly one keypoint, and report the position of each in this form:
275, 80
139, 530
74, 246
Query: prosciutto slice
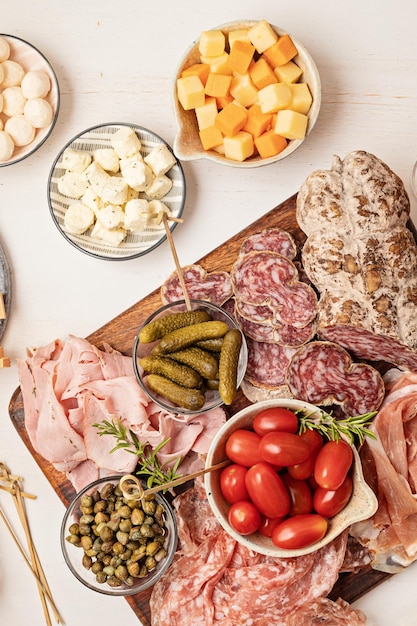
389, 464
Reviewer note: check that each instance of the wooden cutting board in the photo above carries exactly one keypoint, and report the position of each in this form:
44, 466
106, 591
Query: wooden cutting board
120, 334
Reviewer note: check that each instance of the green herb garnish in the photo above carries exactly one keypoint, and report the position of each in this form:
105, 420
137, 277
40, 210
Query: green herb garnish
334, 429
149, 464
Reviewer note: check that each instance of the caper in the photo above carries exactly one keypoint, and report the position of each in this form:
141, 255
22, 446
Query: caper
138, 554
86, 501
86, 519
138, 517
97, 567
87, 561
107, 491
106, 533
113, 581
146, 531
86, 542
122, 537
125, 511
121, 572
84, 529
149, 506
118, 548
125, 525
133, 568
100, 506
150, 562
161, 554
101, 577
75, 540
152, 548
101, 517
74, 529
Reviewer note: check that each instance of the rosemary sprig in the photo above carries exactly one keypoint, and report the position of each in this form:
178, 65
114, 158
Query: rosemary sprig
333, 428
149, 464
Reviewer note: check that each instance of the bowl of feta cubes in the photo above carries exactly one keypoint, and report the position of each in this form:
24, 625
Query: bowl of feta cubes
111, 186
246, 94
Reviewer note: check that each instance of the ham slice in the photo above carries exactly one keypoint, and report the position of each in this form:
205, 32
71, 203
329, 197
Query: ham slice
68, 387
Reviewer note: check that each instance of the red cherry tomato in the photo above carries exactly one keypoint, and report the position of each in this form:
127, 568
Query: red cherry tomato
244, 517
268, 524
275, 418
332, 464
282, 448
267, 491
232, 483
301, 497
328, 502
305, 469
242, 447
299, 531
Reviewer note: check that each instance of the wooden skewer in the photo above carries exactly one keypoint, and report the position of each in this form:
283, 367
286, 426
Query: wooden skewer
176, 261
134, 490
23, 493
25, 558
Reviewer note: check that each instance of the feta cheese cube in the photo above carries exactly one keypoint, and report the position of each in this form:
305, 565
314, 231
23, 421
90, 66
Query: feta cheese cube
75, 160
160, 159
136, 173
72, 185
159, 187
107, 158
125, 142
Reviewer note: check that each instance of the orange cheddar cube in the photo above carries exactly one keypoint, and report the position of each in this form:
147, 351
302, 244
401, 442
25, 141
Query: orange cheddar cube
190, 92
270, 144
282, 51
199, 69
262, 74
257, 122
222, 102
217, 85
210, 137
240, 56
231, 119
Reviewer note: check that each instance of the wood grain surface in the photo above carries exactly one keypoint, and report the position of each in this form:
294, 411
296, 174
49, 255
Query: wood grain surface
120, 334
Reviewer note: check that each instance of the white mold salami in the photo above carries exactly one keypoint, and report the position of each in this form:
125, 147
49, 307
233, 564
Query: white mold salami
362, 258
323, 374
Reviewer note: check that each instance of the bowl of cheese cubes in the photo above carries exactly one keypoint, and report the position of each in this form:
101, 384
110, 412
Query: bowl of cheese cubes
110, 188
246, 94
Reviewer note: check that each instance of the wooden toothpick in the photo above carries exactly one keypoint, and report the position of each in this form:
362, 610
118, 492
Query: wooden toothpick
176, 261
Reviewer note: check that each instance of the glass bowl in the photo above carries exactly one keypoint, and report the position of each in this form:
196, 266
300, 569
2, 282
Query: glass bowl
140, 349
187, 144
73, 554
362, 504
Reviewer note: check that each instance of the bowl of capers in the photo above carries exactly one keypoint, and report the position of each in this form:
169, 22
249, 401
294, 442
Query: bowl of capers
116, 545
191, 357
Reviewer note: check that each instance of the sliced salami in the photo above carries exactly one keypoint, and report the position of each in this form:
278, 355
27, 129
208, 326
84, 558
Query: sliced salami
323, 373
214, 287
268, 278
267, 364
273, 239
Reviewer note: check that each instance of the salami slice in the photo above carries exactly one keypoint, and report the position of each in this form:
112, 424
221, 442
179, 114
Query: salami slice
337, 612
267, 364
268, 278
214, 287
323, 373
273, 239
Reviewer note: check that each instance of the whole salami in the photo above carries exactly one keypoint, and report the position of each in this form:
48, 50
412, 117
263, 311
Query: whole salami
323, 373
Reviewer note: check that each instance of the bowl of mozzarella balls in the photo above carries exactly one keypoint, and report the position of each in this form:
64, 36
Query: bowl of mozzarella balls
114, 189
29, 99
246, 94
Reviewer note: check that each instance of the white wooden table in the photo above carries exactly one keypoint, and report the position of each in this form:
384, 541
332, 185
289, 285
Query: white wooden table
115, 61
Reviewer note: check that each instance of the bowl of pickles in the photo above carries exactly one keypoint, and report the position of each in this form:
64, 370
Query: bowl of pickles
190, 357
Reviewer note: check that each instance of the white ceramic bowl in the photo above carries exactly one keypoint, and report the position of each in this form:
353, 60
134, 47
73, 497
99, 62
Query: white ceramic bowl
141, 349
73, 554
362, 504
135, 244
187, 144
30, 58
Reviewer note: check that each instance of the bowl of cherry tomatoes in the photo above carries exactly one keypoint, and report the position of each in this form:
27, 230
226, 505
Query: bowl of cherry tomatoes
289, 489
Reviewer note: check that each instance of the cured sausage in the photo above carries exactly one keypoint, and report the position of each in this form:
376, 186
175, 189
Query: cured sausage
267, 364
323, 374
266, 278
362, 258
273, 239
214, 287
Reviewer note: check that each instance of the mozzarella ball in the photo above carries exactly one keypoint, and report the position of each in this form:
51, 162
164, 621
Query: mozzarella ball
13, 101
1, 102
1, 74
6, 146
20, 130
36, 84
13, 73
38, 112
4, 50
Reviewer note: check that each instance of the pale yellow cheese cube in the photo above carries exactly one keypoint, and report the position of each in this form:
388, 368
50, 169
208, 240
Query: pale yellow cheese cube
190, 92
206, 114
291, 124
274, 97
262, 35
289, 72
243, 90
239, 147
218, 64
301, 97
212, 43
241, 34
